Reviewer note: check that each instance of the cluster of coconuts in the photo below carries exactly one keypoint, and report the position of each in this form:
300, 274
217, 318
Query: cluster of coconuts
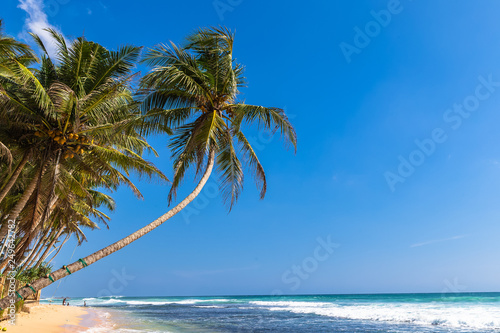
73, 142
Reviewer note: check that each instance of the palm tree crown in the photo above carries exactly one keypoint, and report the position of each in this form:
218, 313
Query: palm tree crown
194, 90
191, 93
66, 120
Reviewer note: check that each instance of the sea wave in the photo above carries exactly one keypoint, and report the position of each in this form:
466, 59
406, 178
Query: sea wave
209, 306
183, 302
120, 330
463, 316
119, 301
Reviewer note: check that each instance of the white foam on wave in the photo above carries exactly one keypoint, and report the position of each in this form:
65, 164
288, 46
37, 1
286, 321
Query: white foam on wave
113, 301
195, 301
209, 306
103, 322
120, 330
291, 303
477, 316
98, 329
146, 302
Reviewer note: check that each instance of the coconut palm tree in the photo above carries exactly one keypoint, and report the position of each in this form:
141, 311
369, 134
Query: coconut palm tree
11, 52
194, 90
65, 121
67, 114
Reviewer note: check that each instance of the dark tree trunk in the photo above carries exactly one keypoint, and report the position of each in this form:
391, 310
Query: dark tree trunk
47, 250
16, 210
13, 178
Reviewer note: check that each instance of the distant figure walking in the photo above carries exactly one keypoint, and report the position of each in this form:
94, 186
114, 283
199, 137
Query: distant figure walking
84, 303
64, 301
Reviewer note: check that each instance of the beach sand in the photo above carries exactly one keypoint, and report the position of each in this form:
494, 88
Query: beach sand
51, 318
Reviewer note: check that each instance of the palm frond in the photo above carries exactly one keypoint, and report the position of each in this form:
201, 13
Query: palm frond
268, 118
253, 163
231, 172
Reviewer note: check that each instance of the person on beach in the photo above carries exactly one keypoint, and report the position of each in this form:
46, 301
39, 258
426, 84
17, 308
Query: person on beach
85, 303
64, 301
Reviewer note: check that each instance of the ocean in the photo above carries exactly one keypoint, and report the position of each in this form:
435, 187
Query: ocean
451, 312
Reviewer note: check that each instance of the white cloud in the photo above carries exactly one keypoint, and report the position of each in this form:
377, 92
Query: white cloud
37, 21
437, 241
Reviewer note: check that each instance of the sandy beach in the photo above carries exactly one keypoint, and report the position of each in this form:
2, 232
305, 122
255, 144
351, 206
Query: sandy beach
51, 318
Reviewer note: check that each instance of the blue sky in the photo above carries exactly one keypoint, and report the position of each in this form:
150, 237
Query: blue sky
357, 117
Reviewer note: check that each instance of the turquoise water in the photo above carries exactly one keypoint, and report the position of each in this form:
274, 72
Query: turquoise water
464, 312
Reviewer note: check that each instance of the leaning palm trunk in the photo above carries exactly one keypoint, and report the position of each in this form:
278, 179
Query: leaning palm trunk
35, 253
41, 260
14, 213
22, 245
96, 256
49, 247
24, 263
13, 178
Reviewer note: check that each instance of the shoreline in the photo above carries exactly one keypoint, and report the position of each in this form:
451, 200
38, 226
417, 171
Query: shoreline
53, 318
450, 312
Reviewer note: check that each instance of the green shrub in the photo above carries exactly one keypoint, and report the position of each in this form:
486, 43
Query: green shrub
32, 274
19, 305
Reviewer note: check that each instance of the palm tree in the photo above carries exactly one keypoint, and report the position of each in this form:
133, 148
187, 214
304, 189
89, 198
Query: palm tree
66, 123
67, 114
11, 53
194, 89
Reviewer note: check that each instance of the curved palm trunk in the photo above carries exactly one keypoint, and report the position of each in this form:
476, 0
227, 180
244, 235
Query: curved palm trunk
57, 252
24, 263
44, 239
22, 245
51, 201
14, 213
13, 178
33, 255
96, 256
49, 247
